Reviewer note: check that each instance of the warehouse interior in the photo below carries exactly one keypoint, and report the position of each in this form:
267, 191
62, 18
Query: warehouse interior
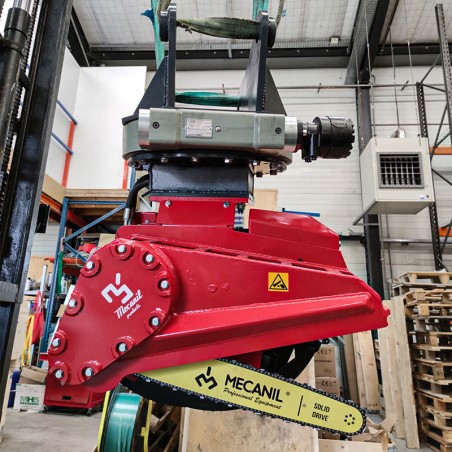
226, 225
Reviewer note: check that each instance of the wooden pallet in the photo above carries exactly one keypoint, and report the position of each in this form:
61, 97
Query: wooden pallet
443, 432
434, 442
426, 277
404, 288
431, 353
436, 416
439, 370
427, 309
439, 387
432, 323
435, 338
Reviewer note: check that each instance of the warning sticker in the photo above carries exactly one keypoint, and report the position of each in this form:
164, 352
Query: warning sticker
278, 282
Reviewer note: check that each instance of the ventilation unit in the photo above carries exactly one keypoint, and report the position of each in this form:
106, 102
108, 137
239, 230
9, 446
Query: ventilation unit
396, 176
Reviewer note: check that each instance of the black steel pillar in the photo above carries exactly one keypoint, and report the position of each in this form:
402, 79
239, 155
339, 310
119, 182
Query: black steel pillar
374, 264
434, 227
27, 169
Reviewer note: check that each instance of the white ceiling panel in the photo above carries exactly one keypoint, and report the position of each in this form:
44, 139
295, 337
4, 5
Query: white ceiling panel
118, 24
415, 21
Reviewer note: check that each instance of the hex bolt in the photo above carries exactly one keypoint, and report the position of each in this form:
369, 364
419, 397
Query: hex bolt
59, 374
56, 342
88, 372
122, 347
72, 303
90, 265
226, 205
167, 203
217, 129
155, 321
164, 284
122, 249
149, 258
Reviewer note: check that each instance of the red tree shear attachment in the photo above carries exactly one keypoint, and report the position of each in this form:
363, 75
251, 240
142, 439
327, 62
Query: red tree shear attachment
170, 291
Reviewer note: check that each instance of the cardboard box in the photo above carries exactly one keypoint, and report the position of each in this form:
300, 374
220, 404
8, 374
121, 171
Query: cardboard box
33, 375
29, 397
325, 361
328, 384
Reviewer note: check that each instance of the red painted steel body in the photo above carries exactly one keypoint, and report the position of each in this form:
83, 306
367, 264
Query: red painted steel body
205, 292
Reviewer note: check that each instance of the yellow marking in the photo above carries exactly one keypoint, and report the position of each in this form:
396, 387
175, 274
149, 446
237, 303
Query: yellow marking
278, 282
255, 390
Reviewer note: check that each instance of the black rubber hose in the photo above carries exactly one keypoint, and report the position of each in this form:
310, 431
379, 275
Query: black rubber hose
142, 182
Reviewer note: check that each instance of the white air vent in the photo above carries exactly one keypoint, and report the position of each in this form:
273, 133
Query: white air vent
396, 176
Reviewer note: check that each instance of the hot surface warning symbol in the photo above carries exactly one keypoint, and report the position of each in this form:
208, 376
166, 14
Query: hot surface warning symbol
278, 282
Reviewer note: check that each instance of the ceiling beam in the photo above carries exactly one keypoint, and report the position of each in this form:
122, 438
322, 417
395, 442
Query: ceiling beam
77, 42
371, 16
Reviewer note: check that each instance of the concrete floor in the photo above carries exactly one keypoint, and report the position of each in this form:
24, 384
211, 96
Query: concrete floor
55, 431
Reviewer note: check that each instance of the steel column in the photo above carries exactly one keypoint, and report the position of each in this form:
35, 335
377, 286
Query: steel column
434, 227
27, 170
374, 265
445, 56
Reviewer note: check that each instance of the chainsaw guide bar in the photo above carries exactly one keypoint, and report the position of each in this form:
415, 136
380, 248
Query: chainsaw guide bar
242, 386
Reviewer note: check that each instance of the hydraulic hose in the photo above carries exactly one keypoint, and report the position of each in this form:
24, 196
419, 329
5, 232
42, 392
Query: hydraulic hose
141, 183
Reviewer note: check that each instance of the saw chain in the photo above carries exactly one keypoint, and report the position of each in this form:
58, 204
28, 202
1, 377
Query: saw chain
241, 386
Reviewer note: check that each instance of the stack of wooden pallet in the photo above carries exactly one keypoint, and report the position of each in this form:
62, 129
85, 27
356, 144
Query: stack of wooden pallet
428, 309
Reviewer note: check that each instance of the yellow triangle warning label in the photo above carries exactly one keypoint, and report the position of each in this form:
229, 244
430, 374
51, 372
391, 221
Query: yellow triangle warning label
278, 282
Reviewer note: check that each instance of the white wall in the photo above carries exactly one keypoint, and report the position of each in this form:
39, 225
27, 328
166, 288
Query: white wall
67, 94
104, 96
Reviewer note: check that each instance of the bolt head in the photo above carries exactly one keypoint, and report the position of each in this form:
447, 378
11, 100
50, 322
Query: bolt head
226, 205
164, 284
217, 129
56, 342
227, 160
155, 321
122, 249
90, 265
195, 159
122, 347
164, 160
59, 374
167, 203
88, 372
72, 303
149, 258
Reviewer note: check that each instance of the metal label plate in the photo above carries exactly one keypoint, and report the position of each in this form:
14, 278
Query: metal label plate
198, 128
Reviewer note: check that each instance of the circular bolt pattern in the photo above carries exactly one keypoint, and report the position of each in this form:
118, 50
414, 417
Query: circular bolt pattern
72, 303
149, 258
122, 249
59, 374
156, 125
226, 204
90, 265
88, 372
56, 342
164, 284
349, 419
122, 347
167, 203
155, 321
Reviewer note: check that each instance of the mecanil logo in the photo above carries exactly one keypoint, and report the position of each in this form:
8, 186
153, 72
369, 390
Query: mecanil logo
251, 387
